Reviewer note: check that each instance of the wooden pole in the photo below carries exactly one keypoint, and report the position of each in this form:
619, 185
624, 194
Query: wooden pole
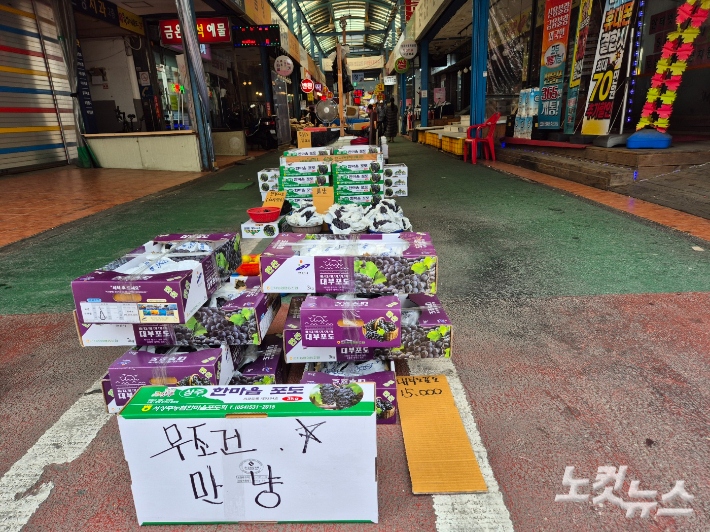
341, 96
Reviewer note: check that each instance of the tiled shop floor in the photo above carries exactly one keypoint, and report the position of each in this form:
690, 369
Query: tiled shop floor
38, 201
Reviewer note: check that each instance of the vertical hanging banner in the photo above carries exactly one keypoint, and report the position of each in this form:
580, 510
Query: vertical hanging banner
607, 65
552, 68
580, 44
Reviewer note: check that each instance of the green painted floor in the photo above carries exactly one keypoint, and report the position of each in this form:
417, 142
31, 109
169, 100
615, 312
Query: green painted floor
497, 236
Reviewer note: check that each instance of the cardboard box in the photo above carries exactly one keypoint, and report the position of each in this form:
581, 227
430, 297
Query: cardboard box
227, 248
303, 181
359, 167
396, 171
250, 308
396, 181
359, 199
385, 389
358, 189
297, 263
301, 168
269, 175
299, 193
267, 186
328, 322
300, 152
268, 366
230, 454
171, 366
251, 229
354, 179
297, 203
426, 329
396, 191
164, 281
296, 352
360, 148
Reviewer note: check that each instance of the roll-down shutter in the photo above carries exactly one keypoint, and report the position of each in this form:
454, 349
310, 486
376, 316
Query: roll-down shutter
36, 119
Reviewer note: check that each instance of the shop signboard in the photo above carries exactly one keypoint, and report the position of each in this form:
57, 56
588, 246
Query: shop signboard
209, 30
390, 80
283, 65
259, 11
580, 44
439, 94
109, 12
552, 69
265, 35
401, 65
408, 48
318, 87
608, 60
307, 85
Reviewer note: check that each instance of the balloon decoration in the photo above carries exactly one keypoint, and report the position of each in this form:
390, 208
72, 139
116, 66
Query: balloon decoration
674, 60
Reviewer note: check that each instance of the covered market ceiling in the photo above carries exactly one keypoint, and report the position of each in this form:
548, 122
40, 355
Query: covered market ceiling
367, 22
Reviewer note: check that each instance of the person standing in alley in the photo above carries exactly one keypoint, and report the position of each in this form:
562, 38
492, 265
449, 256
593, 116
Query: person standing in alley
381, 118
372, 114
392, 115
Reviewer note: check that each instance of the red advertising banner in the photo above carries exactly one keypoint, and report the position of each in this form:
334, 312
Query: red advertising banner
552, 67
209, 30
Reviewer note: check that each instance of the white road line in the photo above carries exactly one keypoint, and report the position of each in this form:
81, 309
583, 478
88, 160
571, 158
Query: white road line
474, 511
62, 443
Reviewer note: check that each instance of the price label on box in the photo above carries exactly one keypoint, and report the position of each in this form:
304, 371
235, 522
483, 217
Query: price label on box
304, 139
323, 198
275, 198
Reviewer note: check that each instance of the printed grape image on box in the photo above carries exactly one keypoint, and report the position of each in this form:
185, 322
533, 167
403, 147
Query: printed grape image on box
164, 281
426, 329
402, 263
269, 175
296, 352
327, 322
254, 453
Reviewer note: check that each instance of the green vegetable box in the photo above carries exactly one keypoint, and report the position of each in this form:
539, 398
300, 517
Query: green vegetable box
254, 453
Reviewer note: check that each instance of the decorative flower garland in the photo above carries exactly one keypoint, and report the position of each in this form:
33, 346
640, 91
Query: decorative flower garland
674, 60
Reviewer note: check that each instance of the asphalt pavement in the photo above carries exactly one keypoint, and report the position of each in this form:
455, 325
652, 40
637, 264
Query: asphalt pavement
580, 339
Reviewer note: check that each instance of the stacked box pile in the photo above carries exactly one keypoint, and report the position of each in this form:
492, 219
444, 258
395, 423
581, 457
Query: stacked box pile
358, 181
176, 300
298, 178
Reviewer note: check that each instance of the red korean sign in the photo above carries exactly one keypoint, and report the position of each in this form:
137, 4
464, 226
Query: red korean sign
209, 30
318, 87
307, 85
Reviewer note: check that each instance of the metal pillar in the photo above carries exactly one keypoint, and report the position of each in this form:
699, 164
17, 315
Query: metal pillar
479, 62
424, 60
403, 103
266, 72
289, 8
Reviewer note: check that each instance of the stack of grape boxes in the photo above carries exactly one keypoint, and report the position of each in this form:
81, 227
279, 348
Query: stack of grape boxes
358, 181
299, 177
394, 180
177, 299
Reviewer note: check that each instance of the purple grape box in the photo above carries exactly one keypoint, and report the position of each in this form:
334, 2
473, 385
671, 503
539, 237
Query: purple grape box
327, 322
